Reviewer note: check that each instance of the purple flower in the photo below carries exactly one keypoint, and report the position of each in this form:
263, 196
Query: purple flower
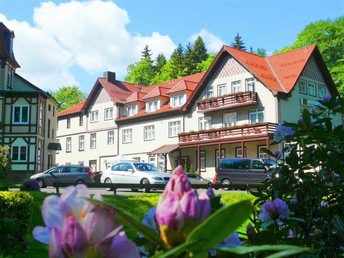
326, 98
277, 154
282, 131
276, 209
180, 209
250, 232
76, 228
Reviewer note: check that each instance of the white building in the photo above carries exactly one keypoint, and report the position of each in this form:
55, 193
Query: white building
234, 106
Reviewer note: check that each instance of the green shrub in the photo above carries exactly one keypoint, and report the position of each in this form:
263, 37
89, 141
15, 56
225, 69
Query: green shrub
15, 216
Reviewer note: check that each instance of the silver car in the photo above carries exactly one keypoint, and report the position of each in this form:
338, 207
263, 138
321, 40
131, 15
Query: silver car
134, 173
196, 179
64, 174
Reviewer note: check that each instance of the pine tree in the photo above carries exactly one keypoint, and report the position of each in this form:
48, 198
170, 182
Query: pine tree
160, 61
177, 62
238, 43
200, 51
146, 53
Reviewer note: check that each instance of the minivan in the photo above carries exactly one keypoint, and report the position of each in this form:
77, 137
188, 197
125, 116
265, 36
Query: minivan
244, 171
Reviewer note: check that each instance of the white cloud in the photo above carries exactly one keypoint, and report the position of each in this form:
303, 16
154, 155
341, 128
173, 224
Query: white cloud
212, 42
89, 36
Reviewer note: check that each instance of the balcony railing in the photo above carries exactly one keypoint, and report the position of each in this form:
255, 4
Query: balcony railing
238, 131
233, 100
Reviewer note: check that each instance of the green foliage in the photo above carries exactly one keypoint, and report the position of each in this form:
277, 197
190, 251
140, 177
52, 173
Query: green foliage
328, 36
205, 64
141, 73
5, 163
15, 216
238, 43
311, 183
68, 96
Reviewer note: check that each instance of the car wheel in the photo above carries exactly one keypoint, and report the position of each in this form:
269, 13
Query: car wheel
134, 189
145, 181
108, 181
41, 183
80, 182
226, 182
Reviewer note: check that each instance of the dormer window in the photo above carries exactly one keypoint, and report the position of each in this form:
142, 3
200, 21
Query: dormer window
152, 106
177, 100
131, 110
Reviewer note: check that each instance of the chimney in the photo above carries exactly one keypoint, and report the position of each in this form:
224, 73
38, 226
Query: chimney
110, 76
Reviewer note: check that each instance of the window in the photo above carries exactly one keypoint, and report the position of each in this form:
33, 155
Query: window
19, 153
49, 107
173, 128
93, 141
238, 152
256, 115
202, 159
20, 114
177, 100
69, 144
311, 89
217, 155
9, 78
110, 138
302, 86
249, 84
108, 112
209, 92
81, 120
127, 135
94, 116
131, 110
321, 90
236, 86
41, 114
53, 111
261, 153
149, 133
68, 122
48, 130
153, 106
221, 90
229, 119
204, 123
81, 143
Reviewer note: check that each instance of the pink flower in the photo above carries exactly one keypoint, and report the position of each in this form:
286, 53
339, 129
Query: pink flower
180, 209
76, 228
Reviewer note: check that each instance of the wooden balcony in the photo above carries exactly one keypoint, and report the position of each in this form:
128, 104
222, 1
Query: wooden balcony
246, 98
228, 133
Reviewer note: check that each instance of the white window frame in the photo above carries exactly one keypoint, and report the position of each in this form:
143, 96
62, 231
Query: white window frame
236, 86
249, 84
149, 132
111, 138
94, 116
177, 100
127, 135
257, 115
229, 119
108, 113
312, 89
131, 110
69, 144
204, 123
321, 90
153, 105
173, 128
22, 114
221, 90
81, 142
203, 158
20, 150
302, 86
238, 152
261, 153
209, 92
93, 141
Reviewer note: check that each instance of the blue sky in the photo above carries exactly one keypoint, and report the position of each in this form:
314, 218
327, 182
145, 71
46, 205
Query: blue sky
61, 43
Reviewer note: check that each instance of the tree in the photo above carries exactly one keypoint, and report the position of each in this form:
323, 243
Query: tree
200, 51
238, 43
141, 73
204, 65
178, 62
160, 61
68, 96
146, 53
328, 36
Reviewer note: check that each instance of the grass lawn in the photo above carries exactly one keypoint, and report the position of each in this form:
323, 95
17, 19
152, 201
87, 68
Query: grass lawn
136, 205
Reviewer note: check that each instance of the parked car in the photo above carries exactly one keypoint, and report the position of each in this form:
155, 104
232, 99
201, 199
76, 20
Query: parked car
134, 173
65, 174
197, 179
244, 171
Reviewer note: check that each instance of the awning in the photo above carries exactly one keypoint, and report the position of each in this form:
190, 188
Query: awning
167, 148
54, 146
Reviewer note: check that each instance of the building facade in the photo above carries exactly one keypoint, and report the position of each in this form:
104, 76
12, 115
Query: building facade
231, 110
28, 117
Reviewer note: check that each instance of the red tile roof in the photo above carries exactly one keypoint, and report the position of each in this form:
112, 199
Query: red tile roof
77, 108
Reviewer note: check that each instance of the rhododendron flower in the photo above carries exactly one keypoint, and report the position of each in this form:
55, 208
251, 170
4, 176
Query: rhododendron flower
276, 209
76, 228
180, 209
282, 131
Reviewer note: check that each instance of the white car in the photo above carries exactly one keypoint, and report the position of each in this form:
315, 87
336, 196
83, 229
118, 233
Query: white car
134, 173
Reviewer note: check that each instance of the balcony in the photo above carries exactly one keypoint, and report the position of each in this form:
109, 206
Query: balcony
228, 133
246, 98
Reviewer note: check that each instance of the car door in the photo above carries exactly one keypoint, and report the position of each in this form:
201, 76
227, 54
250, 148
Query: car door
241, 171
130, 175
52, 175
258, 172
65, 175
116, 173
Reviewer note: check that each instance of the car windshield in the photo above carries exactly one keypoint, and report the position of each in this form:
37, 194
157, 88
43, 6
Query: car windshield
270, 163
145, 167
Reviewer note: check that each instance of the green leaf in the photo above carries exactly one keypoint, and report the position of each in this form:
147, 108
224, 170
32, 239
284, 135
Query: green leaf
132, 222
218, 226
